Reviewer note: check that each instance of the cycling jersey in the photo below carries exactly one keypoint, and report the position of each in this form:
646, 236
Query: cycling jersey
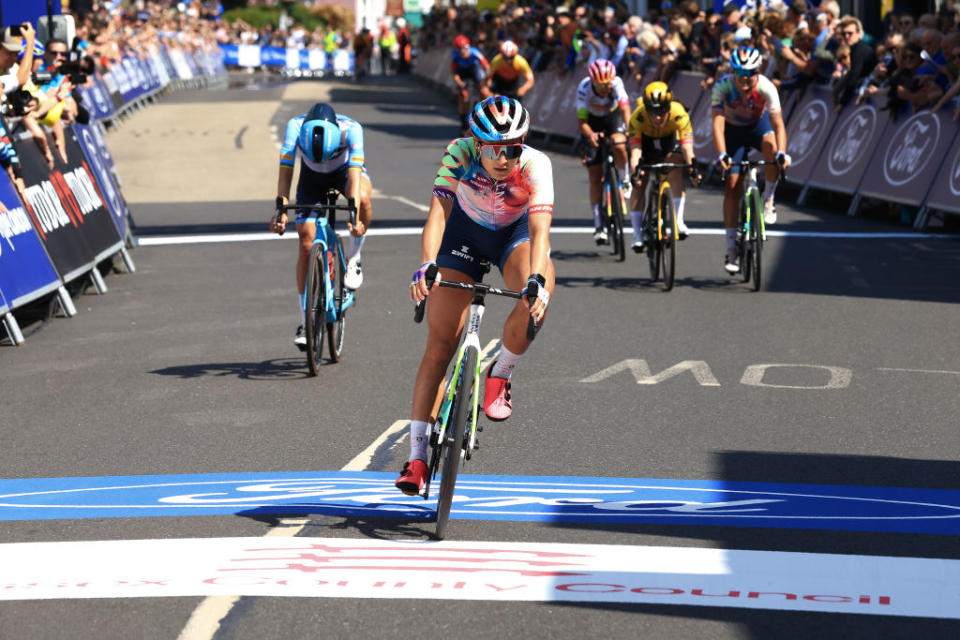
677, 124
510, 70
465, 66
740, 110
494, 204
350, 152
590, 103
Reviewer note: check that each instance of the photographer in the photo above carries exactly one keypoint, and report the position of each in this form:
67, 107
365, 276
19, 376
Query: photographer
15, 37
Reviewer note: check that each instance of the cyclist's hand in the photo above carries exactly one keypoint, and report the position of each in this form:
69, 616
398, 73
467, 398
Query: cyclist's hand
278, 223
595, 139
538, 308
783, 159
638, 176
695, 176
418, 285
357, 230
724, 162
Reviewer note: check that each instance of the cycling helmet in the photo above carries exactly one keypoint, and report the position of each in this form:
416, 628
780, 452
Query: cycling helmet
508, 48
319, 138
745, 59
461, 41
499, 118
37, 51
657, 97
602, 71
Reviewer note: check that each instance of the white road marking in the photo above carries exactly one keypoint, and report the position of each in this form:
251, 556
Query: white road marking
228, 568
412, 231
952, 373
416, 205
362, 460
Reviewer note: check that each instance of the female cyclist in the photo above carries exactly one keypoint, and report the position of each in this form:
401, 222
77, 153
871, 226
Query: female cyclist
493, 198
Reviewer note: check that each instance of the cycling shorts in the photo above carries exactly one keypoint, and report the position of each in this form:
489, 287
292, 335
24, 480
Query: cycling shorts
474, 73
741, 139
505, 87
608, 124
465, 242
657, 149
313, 186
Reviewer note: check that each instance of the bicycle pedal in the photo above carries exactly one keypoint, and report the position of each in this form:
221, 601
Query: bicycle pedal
480, 428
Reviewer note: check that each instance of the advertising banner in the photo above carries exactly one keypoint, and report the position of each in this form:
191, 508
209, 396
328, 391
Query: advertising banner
850, 148
702, 121
25, 269
908, 157
543, 107
685, 88
89, 140
945, 194
807, 132
66, 207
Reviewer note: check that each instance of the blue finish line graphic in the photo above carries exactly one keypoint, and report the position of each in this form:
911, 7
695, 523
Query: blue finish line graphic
518, 498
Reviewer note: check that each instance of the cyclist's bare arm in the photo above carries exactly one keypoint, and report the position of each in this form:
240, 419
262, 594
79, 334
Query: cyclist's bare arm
587, 132
279, 222
779, 130
719, 125
353, 192
431, 238
539, 227
527, 85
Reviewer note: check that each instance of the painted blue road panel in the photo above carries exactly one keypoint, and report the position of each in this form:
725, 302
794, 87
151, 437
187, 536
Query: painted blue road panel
518, 498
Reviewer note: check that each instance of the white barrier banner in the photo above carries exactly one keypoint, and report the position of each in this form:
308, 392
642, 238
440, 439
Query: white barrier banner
365, 568
248, 55
318, 59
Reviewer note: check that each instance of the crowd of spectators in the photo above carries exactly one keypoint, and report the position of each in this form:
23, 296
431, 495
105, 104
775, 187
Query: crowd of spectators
916, 59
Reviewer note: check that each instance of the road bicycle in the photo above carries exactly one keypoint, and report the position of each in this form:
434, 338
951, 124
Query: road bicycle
660, 221
613, 204
453, 438
326, 298
751, 229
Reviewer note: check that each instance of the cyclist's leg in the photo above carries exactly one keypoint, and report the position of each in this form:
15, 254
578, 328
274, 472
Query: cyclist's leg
738, 146
768, 146
679, 188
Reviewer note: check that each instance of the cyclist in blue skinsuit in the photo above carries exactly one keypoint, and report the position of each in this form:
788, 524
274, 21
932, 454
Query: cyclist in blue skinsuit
330, 147
468, 65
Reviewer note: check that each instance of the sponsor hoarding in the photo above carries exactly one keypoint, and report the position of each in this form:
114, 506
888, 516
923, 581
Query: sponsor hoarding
25, 269
945, 193
807, 132
90, 142
67, 207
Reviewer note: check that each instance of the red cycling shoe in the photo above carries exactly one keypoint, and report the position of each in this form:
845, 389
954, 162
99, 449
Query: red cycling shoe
413, 477
496, 397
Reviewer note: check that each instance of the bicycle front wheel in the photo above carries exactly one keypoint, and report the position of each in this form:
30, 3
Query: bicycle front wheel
756, 237
744, 247
336, 328
316, 307
668, 238
616, 212
455, 442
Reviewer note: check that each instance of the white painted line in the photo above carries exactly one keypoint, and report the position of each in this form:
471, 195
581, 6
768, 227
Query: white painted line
362, 460
952, 373
412, 231
228, 568
416, 205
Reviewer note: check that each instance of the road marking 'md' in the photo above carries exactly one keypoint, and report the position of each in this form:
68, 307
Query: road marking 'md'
505, 571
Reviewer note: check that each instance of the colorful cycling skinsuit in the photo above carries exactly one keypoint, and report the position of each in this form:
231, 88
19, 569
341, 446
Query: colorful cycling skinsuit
318, 177
506, 74
675, 131
489, 217
470, 68
589, 103
747, 117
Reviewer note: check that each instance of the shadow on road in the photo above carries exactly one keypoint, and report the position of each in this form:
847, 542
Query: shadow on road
325, 519
294, 368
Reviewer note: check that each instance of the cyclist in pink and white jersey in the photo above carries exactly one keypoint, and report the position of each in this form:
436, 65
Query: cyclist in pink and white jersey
603, 108
746, 113
492, 198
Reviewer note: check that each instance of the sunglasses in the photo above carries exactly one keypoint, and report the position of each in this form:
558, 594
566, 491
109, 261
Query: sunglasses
494, 151
743, 73
848, 34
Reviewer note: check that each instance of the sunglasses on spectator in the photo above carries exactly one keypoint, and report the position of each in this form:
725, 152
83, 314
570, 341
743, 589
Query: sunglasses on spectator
494, 151
744, 73
848, 34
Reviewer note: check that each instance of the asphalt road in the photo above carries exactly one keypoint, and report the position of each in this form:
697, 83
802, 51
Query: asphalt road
187, 367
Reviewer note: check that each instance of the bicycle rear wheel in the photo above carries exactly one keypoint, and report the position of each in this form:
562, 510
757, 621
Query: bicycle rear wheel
316, 307
455, 442
668, 238
336, 328
743, 237
756, 240
653, 243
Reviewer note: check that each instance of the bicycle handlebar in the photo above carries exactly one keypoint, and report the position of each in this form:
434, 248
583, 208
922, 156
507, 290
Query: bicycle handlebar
749, 164
432, 276
350, 207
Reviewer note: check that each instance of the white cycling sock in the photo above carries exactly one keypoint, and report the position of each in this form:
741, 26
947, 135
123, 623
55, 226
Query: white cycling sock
625, 173
503, 367
419, 438
636, 219
731, 239
596, 216
303, 312
355, 245
768, 190
678, 205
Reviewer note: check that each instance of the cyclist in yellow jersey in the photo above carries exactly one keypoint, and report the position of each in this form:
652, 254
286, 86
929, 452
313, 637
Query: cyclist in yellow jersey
510, 73
660, 131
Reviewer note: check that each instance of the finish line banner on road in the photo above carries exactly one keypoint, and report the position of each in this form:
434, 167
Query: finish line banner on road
501, 571
516, 498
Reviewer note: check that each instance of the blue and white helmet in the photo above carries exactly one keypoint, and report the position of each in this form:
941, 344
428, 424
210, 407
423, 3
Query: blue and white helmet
499, 118
319, 138
746, 59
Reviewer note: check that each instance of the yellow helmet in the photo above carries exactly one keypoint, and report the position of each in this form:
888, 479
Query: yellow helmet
657, 98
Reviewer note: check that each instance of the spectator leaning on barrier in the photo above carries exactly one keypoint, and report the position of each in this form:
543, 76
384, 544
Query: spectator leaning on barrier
862, 60
908, 88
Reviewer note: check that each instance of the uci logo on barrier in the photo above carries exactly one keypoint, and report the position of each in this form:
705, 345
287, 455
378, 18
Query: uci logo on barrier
955, 175
519, 498
812, 121
910, 148
90, 144
851, 140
